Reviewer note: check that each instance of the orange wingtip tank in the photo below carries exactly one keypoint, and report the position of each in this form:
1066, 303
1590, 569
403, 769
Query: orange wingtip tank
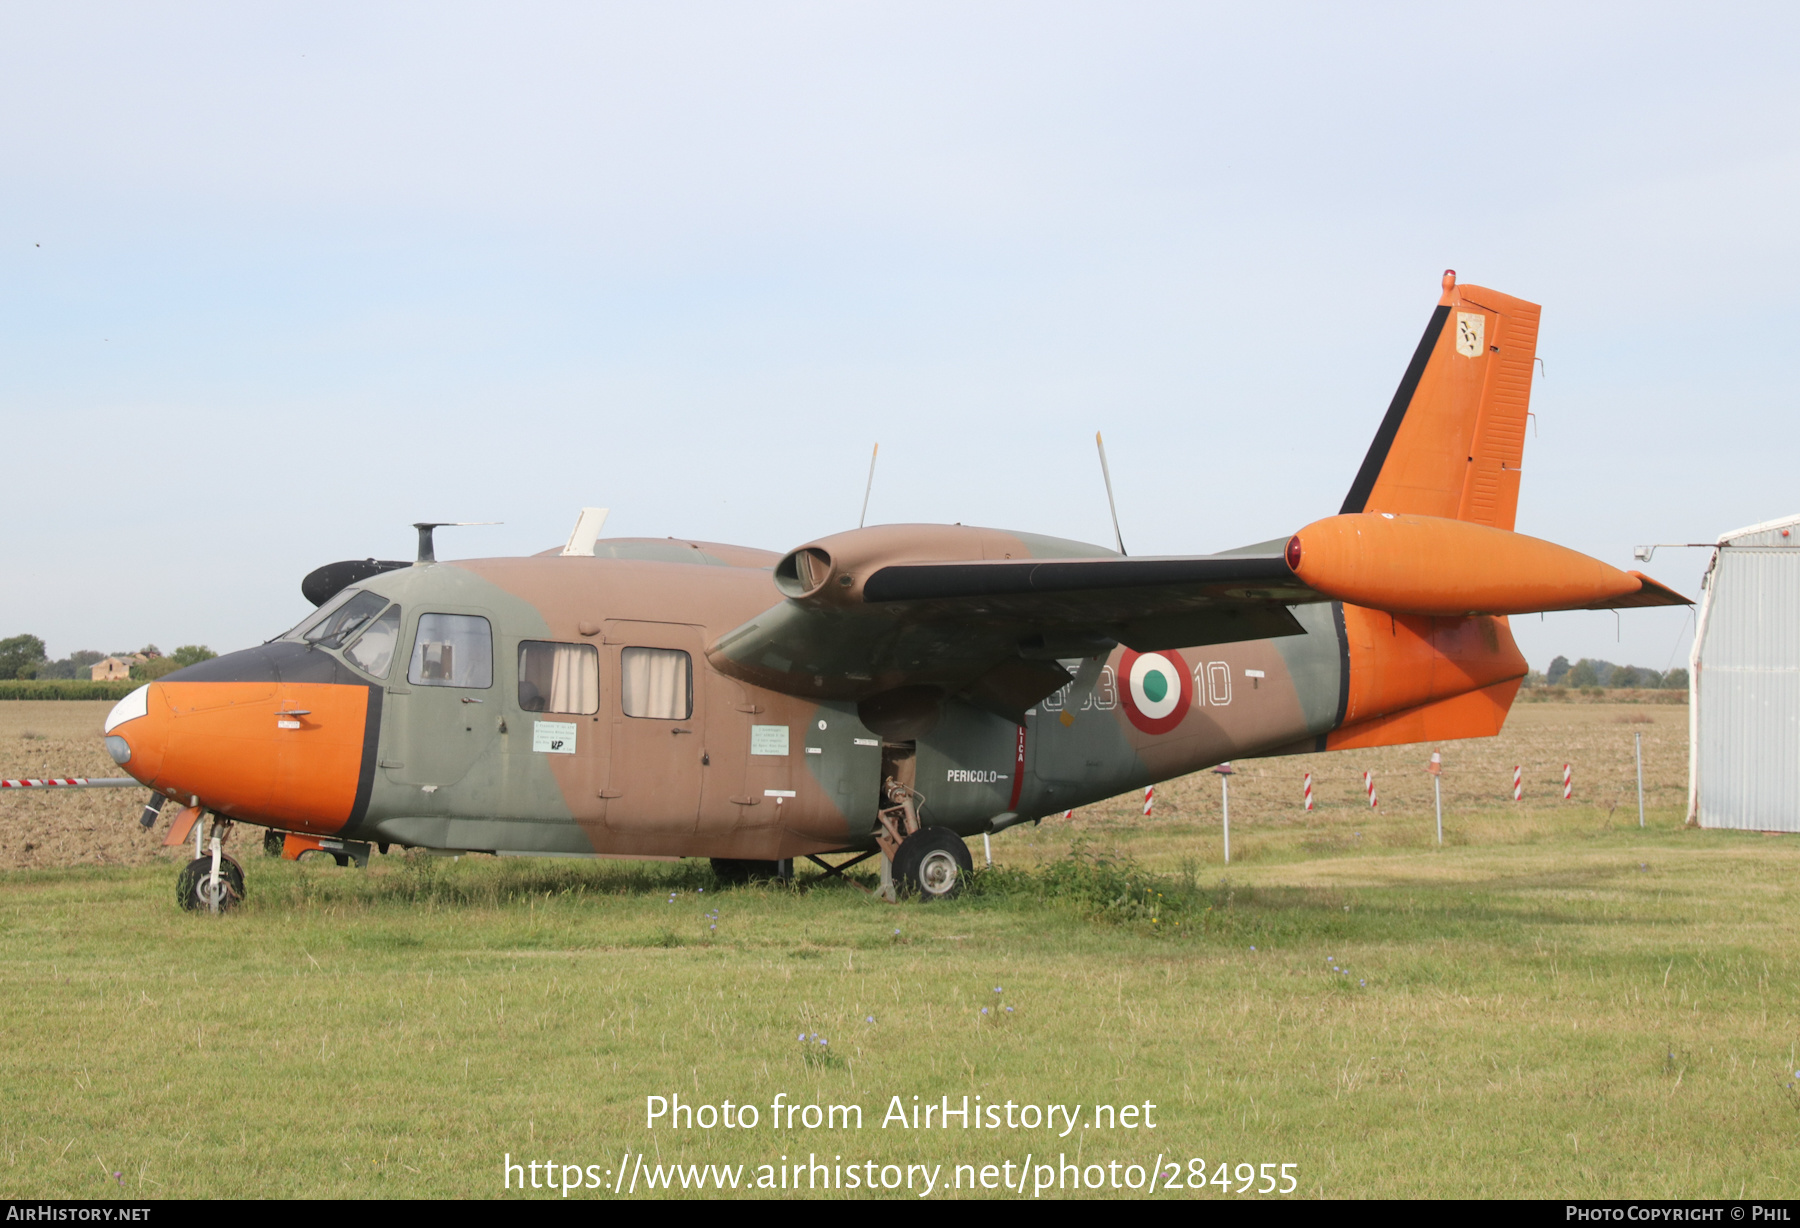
1427, 565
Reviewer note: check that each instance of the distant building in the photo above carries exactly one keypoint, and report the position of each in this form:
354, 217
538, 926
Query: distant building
113, 669
1744, 683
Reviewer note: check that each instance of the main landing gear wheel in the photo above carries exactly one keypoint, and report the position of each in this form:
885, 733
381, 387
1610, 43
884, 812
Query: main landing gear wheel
194, 889
735, 873
934, 862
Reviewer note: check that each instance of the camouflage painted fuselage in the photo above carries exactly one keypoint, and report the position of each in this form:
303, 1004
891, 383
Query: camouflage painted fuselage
752, 772
1002, 676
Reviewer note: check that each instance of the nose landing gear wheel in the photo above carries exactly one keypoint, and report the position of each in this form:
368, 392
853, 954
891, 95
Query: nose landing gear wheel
194, 889
934, 863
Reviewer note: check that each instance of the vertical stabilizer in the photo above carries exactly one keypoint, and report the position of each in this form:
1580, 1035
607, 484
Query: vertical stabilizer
1454, 435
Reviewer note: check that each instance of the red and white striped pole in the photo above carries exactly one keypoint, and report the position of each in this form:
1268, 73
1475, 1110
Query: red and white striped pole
1369, 781
73, 782
1068, 814
1309, 792
1518, 783
1568, 783
1149, 799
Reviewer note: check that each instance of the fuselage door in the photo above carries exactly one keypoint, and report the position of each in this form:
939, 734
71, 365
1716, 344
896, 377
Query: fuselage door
441, 716
658, 726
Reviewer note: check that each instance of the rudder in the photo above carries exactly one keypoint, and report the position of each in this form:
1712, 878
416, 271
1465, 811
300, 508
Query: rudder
1453, 437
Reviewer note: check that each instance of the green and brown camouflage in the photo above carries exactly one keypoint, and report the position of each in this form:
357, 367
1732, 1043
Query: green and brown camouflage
666, 698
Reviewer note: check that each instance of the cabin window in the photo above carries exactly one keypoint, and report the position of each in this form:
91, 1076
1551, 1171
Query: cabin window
453, 650
374, 650
657, 683
344, 621
559, 677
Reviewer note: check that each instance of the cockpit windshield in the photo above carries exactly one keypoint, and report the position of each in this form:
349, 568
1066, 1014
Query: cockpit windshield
299, 630
337, 621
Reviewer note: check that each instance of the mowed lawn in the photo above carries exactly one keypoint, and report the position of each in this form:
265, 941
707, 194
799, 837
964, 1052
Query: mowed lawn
1552, 1004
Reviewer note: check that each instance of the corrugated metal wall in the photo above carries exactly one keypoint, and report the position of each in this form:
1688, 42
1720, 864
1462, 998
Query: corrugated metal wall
1746, 688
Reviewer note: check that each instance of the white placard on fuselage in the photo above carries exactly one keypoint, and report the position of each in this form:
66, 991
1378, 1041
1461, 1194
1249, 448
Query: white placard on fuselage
553, 737
768, 739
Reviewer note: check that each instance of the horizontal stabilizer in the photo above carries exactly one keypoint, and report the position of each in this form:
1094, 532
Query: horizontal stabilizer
1652, 593
1428, 565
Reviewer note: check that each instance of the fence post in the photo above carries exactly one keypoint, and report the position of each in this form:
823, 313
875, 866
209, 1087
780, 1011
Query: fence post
1436, 767
1638, 738
1225, 770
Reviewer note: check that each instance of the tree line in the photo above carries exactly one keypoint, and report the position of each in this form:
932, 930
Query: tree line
1592, 672
24, 656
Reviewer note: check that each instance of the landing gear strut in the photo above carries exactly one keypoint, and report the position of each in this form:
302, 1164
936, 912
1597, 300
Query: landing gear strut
894, 822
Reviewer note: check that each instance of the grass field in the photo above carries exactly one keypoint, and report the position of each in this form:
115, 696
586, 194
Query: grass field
1553, 1004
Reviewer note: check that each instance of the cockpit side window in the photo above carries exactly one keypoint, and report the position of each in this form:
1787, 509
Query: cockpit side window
453, 650
559, 677
346, 620
373, 651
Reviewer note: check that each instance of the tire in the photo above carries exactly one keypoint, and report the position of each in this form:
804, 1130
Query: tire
933, 863
191, 886
732, 872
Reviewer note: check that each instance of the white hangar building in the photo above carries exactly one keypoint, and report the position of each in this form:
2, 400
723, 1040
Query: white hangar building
1744, 679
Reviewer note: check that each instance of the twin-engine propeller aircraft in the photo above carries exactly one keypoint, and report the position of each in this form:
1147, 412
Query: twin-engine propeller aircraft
887, 691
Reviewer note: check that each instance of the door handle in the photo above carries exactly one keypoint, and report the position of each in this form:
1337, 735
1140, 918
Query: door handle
681, 731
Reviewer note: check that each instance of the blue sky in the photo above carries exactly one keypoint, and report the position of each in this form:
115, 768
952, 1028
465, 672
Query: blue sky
276, 282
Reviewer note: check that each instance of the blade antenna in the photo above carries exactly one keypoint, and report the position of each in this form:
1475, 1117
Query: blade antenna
860, 520
1110, 505
427, 552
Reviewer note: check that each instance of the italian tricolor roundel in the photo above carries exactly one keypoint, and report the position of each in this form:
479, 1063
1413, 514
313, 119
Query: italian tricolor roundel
1158, 689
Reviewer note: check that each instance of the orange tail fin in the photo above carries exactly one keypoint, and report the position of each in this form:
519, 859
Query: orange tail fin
1450, 446
1454, 435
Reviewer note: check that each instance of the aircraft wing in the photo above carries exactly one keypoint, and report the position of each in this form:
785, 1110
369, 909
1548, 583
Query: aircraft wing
950, 611
995, 630
1144, 604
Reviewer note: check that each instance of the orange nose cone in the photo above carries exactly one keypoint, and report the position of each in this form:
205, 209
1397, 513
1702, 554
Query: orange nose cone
134, 738
289, 755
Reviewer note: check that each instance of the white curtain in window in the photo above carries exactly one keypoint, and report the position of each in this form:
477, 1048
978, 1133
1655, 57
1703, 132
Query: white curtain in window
575, 679
559, 677
655, 683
